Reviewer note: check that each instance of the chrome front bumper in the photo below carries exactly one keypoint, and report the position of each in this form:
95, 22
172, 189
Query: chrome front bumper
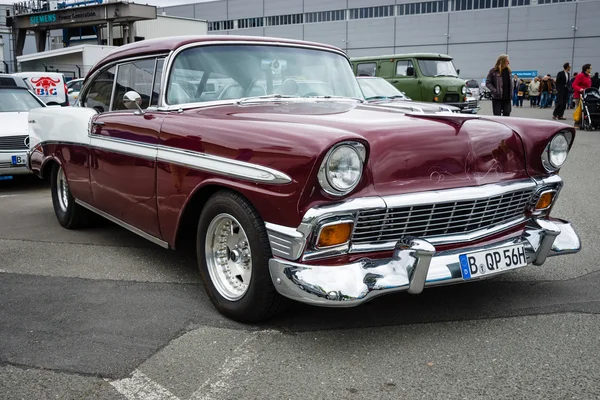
414, 266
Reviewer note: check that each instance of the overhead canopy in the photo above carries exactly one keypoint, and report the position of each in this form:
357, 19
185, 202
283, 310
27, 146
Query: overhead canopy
100, 14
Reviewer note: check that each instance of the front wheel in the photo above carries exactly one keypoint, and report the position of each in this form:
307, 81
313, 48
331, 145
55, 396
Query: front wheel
69, 214
233, 256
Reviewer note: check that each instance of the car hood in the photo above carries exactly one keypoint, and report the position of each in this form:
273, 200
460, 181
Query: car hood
406, 152
13, 123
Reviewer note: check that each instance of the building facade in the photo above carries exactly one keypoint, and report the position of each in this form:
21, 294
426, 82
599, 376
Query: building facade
537, 34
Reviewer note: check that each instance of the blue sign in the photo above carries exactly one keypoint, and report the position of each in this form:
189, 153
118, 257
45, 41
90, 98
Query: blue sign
42, 19
526, 74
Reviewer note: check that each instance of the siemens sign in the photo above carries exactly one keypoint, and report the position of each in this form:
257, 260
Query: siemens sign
42, 19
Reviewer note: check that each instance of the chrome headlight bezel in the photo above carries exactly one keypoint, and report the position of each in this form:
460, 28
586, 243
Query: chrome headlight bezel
437, 89
464, 90
549, 164
324, 172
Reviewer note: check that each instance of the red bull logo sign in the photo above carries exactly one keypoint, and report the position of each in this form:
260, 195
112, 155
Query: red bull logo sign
45, 86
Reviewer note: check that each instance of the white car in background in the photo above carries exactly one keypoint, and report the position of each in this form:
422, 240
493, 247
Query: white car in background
15, 104
73, 89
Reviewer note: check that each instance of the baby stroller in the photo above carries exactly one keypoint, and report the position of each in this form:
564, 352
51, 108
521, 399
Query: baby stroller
590, 110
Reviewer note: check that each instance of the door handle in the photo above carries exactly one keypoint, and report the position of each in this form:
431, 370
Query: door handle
394, 81
97, 123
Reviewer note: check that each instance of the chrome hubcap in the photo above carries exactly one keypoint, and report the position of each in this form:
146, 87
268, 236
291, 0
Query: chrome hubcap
63, 190
228, 257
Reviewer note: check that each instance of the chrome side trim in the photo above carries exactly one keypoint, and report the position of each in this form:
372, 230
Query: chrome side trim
125, 225
123, 146
285, 242
222, 166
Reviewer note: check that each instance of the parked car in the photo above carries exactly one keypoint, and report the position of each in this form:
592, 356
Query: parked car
320, 199
48, 86
73, 89
473, 87
15, 104
12, 80
380, 92
425, 77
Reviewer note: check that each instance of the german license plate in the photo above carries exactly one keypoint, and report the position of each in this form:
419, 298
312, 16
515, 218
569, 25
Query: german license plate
490, 262
18, 160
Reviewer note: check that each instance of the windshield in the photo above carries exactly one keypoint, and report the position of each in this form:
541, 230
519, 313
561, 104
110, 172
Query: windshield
437, 68
233, 72
378, 87
17, 100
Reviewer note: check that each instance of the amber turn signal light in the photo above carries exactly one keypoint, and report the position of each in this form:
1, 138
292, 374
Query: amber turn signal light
335, 234
435, 99
544, 201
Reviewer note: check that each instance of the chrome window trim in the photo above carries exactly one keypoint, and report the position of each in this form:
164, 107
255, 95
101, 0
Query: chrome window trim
86, 86
164, 106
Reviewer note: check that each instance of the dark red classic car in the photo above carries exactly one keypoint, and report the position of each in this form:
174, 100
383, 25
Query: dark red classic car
265, 152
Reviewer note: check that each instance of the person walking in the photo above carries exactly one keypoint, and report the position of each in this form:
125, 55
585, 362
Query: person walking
596, 81
570, 105
544, 91
521, 92
499, 83
515, 85
562, 92
534, 92
582, 81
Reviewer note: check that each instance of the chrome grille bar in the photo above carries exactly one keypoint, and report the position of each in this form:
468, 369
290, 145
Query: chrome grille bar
13, 143
440, 218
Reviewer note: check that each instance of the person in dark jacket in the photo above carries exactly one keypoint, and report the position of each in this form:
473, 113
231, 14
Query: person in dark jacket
521, 92
515, 85
596, 81
562, 91
499, 82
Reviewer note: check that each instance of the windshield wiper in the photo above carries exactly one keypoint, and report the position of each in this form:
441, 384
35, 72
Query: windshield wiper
398, 96
455, 76
336, 97
378, 98
266, 98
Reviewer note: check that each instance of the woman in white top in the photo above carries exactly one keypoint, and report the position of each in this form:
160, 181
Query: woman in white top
534, 92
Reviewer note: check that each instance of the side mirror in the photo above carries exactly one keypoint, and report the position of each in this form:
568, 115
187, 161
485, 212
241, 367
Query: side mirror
70, 90
458, 71
410, 71
132, 100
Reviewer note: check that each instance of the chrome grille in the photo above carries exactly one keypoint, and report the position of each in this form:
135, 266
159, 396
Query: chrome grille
5, 165
472, 103
13, 142
457, 217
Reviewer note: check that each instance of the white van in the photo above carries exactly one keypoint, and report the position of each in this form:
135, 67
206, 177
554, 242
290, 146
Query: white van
48, 86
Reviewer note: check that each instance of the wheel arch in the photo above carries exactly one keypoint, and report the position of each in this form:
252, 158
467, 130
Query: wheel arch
46, 168
187, 223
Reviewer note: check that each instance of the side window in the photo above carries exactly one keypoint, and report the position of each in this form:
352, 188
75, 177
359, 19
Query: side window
137, 76
99, 93
366, 69
157, 81
402, 66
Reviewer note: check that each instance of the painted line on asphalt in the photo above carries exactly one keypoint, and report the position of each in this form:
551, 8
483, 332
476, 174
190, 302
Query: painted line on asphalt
209, 390
8, 195
140, 387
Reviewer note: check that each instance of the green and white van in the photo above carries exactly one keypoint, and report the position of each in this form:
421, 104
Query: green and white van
425, 77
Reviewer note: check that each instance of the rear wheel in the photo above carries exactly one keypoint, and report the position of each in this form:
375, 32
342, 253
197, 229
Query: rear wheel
233, 256
69, 214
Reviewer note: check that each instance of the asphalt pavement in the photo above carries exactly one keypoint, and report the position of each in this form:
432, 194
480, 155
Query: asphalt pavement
103, 314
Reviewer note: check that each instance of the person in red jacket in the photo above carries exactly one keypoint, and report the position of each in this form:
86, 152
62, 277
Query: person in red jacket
582, 81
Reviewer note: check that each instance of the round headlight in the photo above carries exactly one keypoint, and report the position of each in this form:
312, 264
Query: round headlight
342, 169
437, 89
558, 150
464, 90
